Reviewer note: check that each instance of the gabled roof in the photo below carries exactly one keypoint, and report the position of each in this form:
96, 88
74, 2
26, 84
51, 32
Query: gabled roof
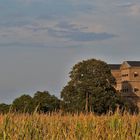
134, 63
114, 66
129, 63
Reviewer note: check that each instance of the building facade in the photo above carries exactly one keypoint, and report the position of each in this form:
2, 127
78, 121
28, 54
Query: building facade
127, 77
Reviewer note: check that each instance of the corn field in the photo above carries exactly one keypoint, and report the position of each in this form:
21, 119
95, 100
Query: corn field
69, 127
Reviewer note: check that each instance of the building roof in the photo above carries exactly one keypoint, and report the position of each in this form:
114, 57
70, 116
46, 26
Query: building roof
130, 63
114, 66
134, 63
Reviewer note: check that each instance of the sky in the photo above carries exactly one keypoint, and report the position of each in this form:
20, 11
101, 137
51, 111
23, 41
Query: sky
41, 40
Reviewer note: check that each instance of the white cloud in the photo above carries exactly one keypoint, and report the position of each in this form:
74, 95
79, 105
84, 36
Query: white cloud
36, 33
23, 35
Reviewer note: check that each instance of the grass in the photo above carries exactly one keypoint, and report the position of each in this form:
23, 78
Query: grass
69, 127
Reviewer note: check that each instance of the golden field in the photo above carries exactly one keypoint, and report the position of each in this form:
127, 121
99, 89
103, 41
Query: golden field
69, 127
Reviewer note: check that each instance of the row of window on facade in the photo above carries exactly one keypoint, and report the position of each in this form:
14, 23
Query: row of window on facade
125, 90
135, 74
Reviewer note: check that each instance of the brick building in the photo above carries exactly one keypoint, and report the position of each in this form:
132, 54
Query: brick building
127, 77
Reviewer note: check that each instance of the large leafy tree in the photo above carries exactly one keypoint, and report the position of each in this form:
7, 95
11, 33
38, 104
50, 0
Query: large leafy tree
45, 102
90, 88
22, 104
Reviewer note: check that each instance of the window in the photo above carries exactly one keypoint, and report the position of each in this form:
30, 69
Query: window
136, 74
125, 90
124, 75
136, 89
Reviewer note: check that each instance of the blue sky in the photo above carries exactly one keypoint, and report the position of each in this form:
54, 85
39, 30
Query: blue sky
40, 40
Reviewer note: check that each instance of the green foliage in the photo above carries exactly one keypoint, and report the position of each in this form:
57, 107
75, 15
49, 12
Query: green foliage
128, 105
45, 102
90, 88
4, 108
23, 104
41, 102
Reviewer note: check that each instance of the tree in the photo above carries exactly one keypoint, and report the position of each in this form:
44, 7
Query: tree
23, 104
45, 102
128, 105
90, 88
4, 108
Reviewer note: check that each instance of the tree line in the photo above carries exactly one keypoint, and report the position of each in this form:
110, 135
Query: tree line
41, 102
90, 89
